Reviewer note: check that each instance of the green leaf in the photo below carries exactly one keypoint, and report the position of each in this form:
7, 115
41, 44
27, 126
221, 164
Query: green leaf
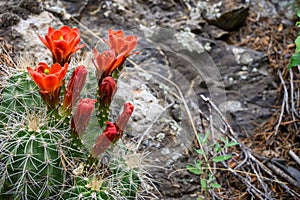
199, 151
222, 158
298, 13
295, 60
230, 144
222, 139
203, 183
297, 42
193, 169
217, 148
215, 185
204, 140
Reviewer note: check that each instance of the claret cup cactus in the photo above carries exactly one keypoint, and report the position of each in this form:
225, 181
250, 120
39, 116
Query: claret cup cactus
43, 120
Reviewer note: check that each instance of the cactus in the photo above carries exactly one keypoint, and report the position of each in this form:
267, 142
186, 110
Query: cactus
43, 151
18, 96
115, 181
32, 157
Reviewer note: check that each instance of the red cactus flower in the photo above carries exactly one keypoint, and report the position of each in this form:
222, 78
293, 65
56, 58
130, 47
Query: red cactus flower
120, 44
120, 48
62, 43
48, 78
106, 63
107, 90
82, 116
75, 85
49, 81
105, 139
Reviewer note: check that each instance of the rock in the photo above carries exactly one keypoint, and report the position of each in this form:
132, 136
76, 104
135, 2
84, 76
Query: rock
264, 8
20, 8
287, 8
65, 9
213, 32
29, 30
9, 19
250, 87
231, 106
225, 14
32, 6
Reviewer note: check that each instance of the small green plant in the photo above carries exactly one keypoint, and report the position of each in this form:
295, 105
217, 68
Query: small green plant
295, 59
209, 155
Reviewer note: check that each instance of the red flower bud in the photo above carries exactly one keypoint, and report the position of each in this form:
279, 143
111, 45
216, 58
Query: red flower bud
62, 43
123, 119
82, 116
75, 85
49, 81
105, 139
107, 90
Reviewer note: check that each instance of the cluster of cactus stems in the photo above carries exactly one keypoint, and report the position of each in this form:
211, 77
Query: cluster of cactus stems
43, 121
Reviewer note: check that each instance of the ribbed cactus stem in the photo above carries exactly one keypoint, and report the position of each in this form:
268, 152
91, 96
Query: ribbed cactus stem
34, 170
102, 112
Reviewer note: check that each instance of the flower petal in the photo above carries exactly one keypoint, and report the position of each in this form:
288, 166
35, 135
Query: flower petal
63, 72
55, 68
37, 78
56, 35
51, 83
58, 56
62, 45
45, 42
65, 30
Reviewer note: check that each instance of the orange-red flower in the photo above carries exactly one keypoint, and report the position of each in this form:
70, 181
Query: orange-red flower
122, 45
106, 63
49, 81
62, 43
120, 48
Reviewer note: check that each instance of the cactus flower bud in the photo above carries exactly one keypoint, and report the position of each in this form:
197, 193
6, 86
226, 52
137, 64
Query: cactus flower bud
75, 85
82, 116
104, 140
107, 90
124, 117
62, 43
122, 120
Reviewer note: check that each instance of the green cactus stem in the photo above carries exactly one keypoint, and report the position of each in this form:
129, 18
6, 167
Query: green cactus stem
33, 163
18, 96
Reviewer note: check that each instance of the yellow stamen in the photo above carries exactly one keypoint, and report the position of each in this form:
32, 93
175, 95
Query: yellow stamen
61, 37
46, 71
